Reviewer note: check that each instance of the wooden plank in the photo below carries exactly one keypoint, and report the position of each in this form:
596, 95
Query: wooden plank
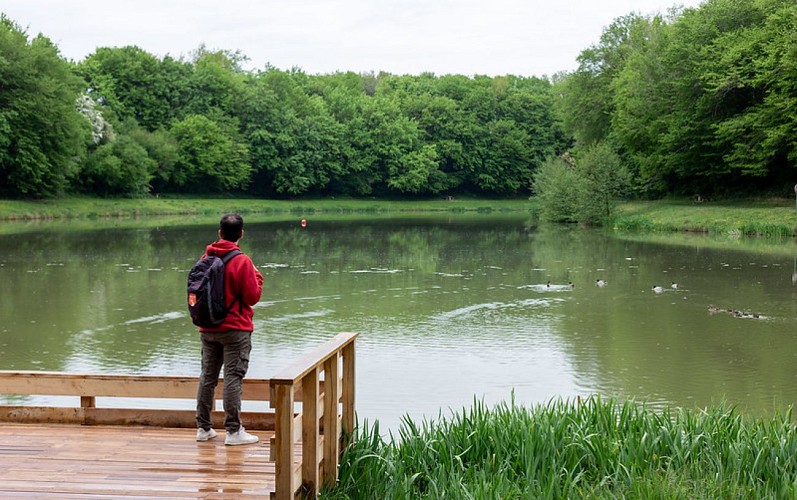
36, 414
299, 368
130, 386
172, 418
331, 449
64, 461
310, 433
282, 401
126, 416
329, 407
348, 392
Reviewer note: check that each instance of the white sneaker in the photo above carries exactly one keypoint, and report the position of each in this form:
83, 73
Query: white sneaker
240, 437
203, 435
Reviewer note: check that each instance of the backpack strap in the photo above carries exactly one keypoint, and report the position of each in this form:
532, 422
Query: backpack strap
228, 257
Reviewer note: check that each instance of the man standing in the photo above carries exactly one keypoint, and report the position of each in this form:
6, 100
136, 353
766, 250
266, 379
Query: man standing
230, 343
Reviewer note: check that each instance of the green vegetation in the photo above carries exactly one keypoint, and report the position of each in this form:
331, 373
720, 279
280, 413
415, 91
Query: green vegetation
41, 131
590, 449
80, 208
123, 122
771, 218
584, 190
694, 104
698, 102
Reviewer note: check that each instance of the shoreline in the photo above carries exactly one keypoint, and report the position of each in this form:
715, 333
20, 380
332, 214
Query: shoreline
744, 217
87, 208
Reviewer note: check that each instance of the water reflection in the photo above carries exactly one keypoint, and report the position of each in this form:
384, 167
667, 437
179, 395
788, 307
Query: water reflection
448, 308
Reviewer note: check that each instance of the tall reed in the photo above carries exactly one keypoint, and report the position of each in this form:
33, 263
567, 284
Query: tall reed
565, 449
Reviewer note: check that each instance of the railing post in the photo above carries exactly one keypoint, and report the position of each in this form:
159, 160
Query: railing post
347, 397
331, 428
282, 402
310, 433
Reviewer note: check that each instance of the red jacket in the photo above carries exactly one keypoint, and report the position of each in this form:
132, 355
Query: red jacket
242, 280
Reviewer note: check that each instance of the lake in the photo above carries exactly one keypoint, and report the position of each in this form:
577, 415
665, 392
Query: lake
449, 308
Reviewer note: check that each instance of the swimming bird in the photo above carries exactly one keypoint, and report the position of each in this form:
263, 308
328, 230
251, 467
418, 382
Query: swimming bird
600, 283
657, 289
674, 285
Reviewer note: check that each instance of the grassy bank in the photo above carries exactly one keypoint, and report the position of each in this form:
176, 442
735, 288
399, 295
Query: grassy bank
771, 217
595, 449
80, 208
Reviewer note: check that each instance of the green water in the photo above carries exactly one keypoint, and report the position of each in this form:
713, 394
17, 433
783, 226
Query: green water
448, 307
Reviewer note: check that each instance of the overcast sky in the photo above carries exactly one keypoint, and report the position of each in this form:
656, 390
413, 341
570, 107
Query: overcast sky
485, 37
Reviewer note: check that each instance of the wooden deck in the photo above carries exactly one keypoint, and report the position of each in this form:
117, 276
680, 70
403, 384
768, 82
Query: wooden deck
73, 461
93, 451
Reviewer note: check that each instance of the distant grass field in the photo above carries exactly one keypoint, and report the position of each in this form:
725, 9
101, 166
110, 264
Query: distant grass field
766, 217
77, 208
770, 217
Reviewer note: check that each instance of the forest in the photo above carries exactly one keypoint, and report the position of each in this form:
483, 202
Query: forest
697, 102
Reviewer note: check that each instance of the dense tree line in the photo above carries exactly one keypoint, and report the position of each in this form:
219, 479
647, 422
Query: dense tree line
138, 124
701, 101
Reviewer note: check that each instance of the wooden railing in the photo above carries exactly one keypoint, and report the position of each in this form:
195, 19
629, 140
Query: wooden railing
88, 387
324, 406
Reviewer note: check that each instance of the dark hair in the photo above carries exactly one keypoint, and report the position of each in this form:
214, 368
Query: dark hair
232, 226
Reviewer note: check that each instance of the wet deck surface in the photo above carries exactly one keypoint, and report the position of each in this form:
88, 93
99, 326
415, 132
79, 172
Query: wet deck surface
69, 462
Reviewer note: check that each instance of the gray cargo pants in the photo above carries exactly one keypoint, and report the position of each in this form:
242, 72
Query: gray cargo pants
230, 349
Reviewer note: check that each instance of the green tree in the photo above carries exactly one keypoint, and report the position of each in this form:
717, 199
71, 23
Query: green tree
583, 189
750, 79
516, 129
208, 159
394, 153
120, 167
295, 139
586, 99
216, 85
700, 107
606, 179
358, 158
161, 148
414, 171
133, 83
42, 134
559, 190
530, 106
448, 129
347, 95
642, 103
307, 148
508, 165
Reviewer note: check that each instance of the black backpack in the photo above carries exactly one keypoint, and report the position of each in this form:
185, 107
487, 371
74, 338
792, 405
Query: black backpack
206, 302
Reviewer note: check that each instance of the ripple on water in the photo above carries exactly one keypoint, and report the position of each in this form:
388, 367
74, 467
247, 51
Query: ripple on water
298, 316
493, 306
157, 318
